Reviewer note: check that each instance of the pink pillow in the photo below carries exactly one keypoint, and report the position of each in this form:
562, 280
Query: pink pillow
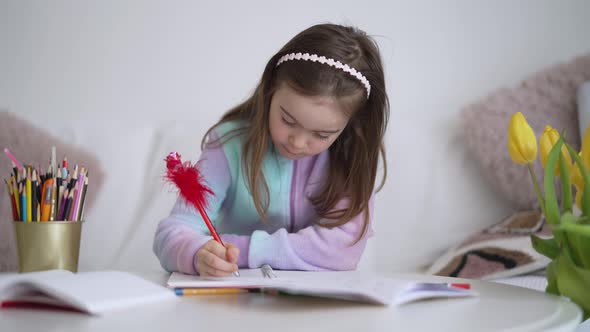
546, 98
31, 144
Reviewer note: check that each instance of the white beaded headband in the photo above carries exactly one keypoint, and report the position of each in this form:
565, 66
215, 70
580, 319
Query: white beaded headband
329, 62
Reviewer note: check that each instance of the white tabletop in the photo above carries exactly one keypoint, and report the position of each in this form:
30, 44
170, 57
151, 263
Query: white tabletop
498, 307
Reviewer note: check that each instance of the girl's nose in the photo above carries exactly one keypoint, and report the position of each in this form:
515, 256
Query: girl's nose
297, 141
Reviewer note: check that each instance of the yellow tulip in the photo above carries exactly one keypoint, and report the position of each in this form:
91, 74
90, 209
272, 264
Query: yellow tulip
585, 152
548, 139
522, 143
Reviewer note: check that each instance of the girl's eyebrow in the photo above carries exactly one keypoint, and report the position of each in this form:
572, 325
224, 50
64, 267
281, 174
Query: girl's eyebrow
317, 131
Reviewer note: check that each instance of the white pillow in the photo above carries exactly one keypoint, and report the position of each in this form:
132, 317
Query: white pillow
156, 197
125, 151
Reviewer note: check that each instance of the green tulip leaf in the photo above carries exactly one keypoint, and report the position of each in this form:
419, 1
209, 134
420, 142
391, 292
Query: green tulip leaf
568, 218
552, 214
566, 184
586, 177
578, 237
580, 245
573, 282
551, 272
545, 247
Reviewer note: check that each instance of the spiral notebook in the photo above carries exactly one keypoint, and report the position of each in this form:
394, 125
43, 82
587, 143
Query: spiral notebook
348, 285
88, 292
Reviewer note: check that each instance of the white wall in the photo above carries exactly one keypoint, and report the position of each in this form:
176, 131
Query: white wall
154, 61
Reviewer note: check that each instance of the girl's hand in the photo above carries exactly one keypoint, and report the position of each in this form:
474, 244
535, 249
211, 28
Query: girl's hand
215, 260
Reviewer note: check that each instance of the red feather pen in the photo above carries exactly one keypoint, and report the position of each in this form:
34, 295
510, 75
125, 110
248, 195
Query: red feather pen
191, 186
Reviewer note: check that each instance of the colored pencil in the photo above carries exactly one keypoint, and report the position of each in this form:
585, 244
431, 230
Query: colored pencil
78, 195
61, 213
15, 194
34, 201
53, 207
29, 196
68, 208
15, 162
208, 291
46, 199
9, 189
84, 188
23, 194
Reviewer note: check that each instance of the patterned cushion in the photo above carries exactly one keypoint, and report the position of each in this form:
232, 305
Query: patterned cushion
501, 250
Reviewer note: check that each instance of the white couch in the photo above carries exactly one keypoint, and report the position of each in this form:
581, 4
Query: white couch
433, 198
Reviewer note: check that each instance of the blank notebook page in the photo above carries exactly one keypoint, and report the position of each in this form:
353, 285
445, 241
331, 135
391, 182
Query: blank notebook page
93, 292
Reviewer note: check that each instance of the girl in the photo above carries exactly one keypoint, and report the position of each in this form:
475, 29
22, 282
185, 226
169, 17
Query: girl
293, 168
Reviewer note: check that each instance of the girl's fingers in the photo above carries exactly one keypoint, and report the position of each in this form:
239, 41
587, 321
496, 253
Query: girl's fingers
207, 271
215, 248
211, 261
232, 253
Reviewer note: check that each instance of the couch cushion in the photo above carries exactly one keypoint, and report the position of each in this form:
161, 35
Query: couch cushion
547, 98
502, 250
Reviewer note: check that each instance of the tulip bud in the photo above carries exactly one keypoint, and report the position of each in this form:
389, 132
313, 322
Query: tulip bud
585, 152
522, 143
548, 139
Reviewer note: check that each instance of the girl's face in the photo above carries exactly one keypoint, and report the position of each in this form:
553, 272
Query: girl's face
302, 126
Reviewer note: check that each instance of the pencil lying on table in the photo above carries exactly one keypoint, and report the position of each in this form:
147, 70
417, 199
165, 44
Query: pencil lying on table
208, 291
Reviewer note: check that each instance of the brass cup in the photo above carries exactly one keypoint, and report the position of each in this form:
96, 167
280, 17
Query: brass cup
48, 245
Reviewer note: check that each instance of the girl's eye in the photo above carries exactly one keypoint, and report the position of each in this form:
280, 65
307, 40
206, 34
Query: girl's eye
290, 124
322, 137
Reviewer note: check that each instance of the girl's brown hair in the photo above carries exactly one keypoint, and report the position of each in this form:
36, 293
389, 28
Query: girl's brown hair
354, 156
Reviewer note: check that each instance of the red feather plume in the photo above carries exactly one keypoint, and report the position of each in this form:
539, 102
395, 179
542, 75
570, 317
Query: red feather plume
191, 185
188, 179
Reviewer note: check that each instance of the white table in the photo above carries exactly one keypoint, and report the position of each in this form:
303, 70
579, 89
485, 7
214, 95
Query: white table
498, 307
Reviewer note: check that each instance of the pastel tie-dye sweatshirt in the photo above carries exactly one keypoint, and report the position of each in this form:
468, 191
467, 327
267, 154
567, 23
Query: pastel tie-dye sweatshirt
291, 239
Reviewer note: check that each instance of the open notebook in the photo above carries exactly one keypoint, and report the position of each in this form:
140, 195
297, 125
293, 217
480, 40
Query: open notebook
89, 292
348, 285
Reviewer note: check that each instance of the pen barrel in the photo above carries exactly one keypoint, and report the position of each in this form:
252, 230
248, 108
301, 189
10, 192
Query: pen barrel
209, 224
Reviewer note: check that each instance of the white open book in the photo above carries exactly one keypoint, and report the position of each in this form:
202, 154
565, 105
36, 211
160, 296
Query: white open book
349, 285
89, 292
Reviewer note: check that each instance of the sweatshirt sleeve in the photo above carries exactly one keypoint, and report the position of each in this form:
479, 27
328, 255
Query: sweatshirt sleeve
183, 232
313, 248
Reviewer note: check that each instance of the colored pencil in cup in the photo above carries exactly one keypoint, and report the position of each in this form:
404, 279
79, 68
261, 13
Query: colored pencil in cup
64, 199
83, 198
15, 194
23, 196
33, 199
16, 165
46, 199
29, 196
12, 203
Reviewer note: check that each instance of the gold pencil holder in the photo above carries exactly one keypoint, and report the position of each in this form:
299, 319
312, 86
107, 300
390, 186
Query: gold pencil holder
48, 245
